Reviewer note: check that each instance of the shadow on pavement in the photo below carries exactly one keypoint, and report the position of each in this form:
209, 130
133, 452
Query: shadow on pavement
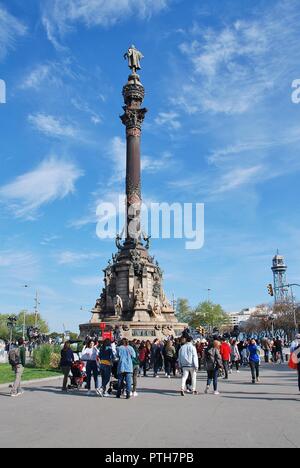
270, 398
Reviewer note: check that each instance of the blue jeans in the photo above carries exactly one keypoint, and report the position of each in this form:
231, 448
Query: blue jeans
213, 375
91, 369
128, 380
105, 372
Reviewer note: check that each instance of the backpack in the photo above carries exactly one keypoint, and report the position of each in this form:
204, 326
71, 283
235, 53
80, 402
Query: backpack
14, 357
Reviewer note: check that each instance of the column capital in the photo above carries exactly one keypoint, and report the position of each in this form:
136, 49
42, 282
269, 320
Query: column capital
133, 118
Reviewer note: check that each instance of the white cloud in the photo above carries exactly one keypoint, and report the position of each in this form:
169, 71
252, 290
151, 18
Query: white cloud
60, 16
53, 126
49, 74
36, 76
52, 180
237, 178
71, 258
10, 29
21, 265
87, 281
234, 68
117, 154
170, 119
83, 106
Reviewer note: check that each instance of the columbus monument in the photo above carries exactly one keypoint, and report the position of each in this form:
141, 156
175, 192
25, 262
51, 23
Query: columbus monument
133, 299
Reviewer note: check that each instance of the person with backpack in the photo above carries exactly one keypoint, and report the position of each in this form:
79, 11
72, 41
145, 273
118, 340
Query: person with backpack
106, 356
189, 363
17, 360
66, 361
214, 363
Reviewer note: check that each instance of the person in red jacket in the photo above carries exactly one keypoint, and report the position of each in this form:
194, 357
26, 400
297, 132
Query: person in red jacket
144, 358
225, 351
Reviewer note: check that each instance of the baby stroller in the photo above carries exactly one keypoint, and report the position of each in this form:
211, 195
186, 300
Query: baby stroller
78, 375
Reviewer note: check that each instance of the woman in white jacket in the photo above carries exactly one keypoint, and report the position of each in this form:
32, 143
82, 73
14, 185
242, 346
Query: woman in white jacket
189, 363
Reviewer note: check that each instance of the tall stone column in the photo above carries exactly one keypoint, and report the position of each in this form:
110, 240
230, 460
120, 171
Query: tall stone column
133, 93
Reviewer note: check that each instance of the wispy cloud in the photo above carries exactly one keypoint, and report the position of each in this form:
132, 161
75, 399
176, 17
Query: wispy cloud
117, 154
71, 258
87, 281
169, 119
237, 178
10, 29
236, 66
83, 106
50, 74
20, 265
53, 126
61, 16
52, 180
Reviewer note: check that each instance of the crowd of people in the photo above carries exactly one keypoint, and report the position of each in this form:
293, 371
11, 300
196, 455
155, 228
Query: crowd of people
125, 362
117, 365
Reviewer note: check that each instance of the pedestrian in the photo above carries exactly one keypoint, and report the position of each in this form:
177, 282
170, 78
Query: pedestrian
279, 350
225, 351
125, 354
235, 356
214, 363
295, 355
169, 357
267, 350
90, 355
254, 360
156, 357
17, 360
189, 363
136, 369
66, 361
143, 358
106, 356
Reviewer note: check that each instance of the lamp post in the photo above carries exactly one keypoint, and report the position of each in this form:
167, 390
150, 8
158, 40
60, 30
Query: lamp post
24, 318
272, 319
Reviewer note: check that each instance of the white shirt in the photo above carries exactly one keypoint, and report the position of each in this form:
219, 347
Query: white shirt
89, 354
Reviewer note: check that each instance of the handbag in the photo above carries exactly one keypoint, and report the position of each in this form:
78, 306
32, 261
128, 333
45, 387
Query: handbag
292, 364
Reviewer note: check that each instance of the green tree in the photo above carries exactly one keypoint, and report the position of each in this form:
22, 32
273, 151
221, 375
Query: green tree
18, 330
208, 315
183, 310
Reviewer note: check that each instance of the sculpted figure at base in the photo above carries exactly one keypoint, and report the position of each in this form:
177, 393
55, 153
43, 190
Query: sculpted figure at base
118, 303
139, 300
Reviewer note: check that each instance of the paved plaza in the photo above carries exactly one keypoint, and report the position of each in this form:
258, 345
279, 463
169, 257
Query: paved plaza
265, 415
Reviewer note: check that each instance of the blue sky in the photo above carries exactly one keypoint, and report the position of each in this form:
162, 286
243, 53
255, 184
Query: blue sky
221, 130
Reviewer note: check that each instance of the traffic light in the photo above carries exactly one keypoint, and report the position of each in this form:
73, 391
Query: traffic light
270, 290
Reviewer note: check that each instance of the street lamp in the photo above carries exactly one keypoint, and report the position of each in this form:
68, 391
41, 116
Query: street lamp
272, 319
24, 318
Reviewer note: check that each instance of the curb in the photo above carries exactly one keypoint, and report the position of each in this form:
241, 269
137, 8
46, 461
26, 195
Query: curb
30, 382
